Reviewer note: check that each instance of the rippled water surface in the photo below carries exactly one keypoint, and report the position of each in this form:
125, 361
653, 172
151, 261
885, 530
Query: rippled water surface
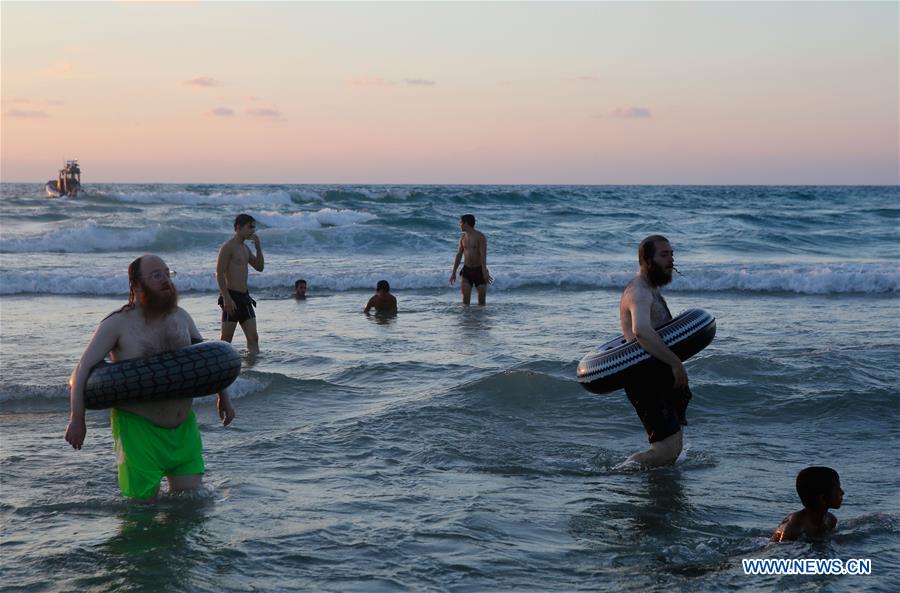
449, 448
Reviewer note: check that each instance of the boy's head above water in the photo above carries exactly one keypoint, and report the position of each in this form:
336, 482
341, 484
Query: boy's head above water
820, 488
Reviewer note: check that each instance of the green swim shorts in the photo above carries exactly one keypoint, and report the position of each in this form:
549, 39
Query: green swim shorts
146, 452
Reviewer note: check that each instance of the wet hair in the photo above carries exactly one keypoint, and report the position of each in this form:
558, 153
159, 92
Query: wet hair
242, 220
383, 285
299, 282
469, 219
647, 249
814, 482
134, 276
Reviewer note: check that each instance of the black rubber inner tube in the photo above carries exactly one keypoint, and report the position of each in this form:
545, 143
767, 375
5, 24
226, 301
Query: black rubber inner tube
194, 371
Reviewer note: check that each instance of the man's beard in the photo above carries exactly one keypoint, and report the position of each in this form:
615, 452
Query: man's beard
157, 303
658, 275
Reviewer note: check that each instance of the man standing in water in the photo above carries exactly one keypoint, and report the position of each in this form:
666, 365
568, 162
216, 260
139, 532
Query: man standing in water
151, 439
474, 272
660, 395
231, 275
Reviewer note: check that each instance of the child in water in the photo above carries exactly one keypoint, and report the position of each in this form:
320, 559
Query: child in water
382, 301
819, 489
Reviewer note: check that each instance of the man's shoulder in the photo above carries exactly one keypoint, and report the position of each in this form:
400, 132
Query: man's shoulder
228, 245
637, 286
181, 314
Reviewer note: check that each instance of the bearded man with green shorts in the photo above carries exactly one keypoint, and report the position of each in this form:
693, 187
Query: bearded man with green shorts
151, 439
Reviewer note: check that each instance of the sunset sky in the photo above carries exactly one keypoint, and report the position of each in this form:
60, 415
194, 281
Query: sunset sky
559, 93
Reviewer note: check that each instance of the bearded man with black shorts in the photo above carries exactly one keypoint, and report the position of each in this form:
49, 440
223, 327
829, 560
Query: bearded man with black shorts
660, 395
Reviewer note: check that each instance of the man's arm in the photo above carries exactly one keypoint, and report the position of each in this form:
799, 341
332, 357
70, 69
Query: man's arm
459, 254
369, 305
484, 268
221, 269
223, 401
257, 261
102, 342
639, 306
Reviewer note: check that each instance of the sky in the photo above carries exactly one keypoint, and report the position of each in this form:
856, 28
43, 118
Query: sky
454, 92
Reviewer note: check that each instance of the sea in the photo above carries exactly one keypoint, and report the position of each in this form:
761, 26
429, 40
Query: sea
450, 447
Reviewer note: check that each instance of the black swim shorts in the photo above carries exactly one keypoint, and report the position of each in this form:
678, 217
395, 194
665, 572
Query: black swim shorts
661, 408
243, 307
473, 275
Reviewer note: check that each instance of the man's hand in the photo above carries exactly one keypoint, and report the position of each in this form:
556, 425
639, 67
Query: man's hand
75, 432
228, 304
226, 410
452, 277
681, 378
255, 238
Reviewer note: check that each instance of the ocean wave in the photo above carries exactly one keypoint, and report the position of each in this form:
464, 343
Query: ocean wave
326, 217
190, 198
83, 237
817, 280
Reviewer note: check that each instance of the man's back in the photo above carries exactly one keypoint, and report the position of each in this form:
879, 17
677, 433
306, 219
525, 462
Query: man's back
473, 242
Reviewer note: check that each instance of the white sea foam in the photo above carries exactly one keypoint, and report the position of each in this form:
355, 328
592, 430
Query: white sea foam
827, 279
83, 237
313, 220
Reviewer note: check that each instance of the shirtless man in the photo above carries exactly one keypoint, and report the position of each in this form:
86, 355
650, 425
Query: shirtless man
475, 271
231, 275
660, 396
382, 301
152, 439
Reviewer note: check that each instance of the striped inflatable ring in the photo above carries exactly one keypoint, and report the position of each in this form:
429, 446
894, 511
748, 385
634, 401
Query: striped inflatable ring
201, 369
609, 367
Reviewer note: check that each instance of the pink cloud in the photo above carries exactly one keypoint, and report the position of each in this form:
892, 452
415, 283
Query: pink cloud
222, 112
203, 81
267, 113
26, 114
631, 113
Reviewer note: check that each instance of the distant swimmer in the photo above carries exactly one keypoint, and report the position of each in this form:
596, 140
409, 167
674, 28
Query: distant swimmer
151, 439
819, 489
231, 275
382, 301
472, 244
660, 395
300, 289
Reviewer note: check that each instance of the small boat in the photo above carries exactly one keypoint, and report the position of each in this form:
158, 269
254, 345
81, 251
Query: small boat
67, 183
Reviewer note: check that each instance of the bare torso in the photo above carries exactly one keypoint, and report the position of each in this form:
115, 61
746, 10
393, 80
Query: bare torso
139, 338
659, 311
237, 259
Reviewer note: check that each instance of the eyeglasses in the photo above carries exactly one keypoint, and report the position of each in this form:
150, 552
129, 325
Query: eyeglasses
156, 276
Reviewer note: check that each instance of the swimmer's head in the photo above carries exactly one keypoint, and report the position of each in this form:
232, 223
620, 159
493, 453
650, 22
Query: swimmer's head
383, 286
468, 219
819, 487
657, 260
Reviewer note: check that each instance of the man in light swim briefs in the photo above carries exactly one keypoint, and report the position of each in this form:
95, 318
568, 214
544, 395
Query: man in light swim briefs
660, 395
472, 244
231, 276
151, 439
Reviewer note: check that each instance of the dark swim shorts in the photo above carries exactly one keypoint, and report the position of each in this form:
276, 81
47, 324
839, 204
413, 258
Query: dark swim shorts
473, 275
660, 407
243, 307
